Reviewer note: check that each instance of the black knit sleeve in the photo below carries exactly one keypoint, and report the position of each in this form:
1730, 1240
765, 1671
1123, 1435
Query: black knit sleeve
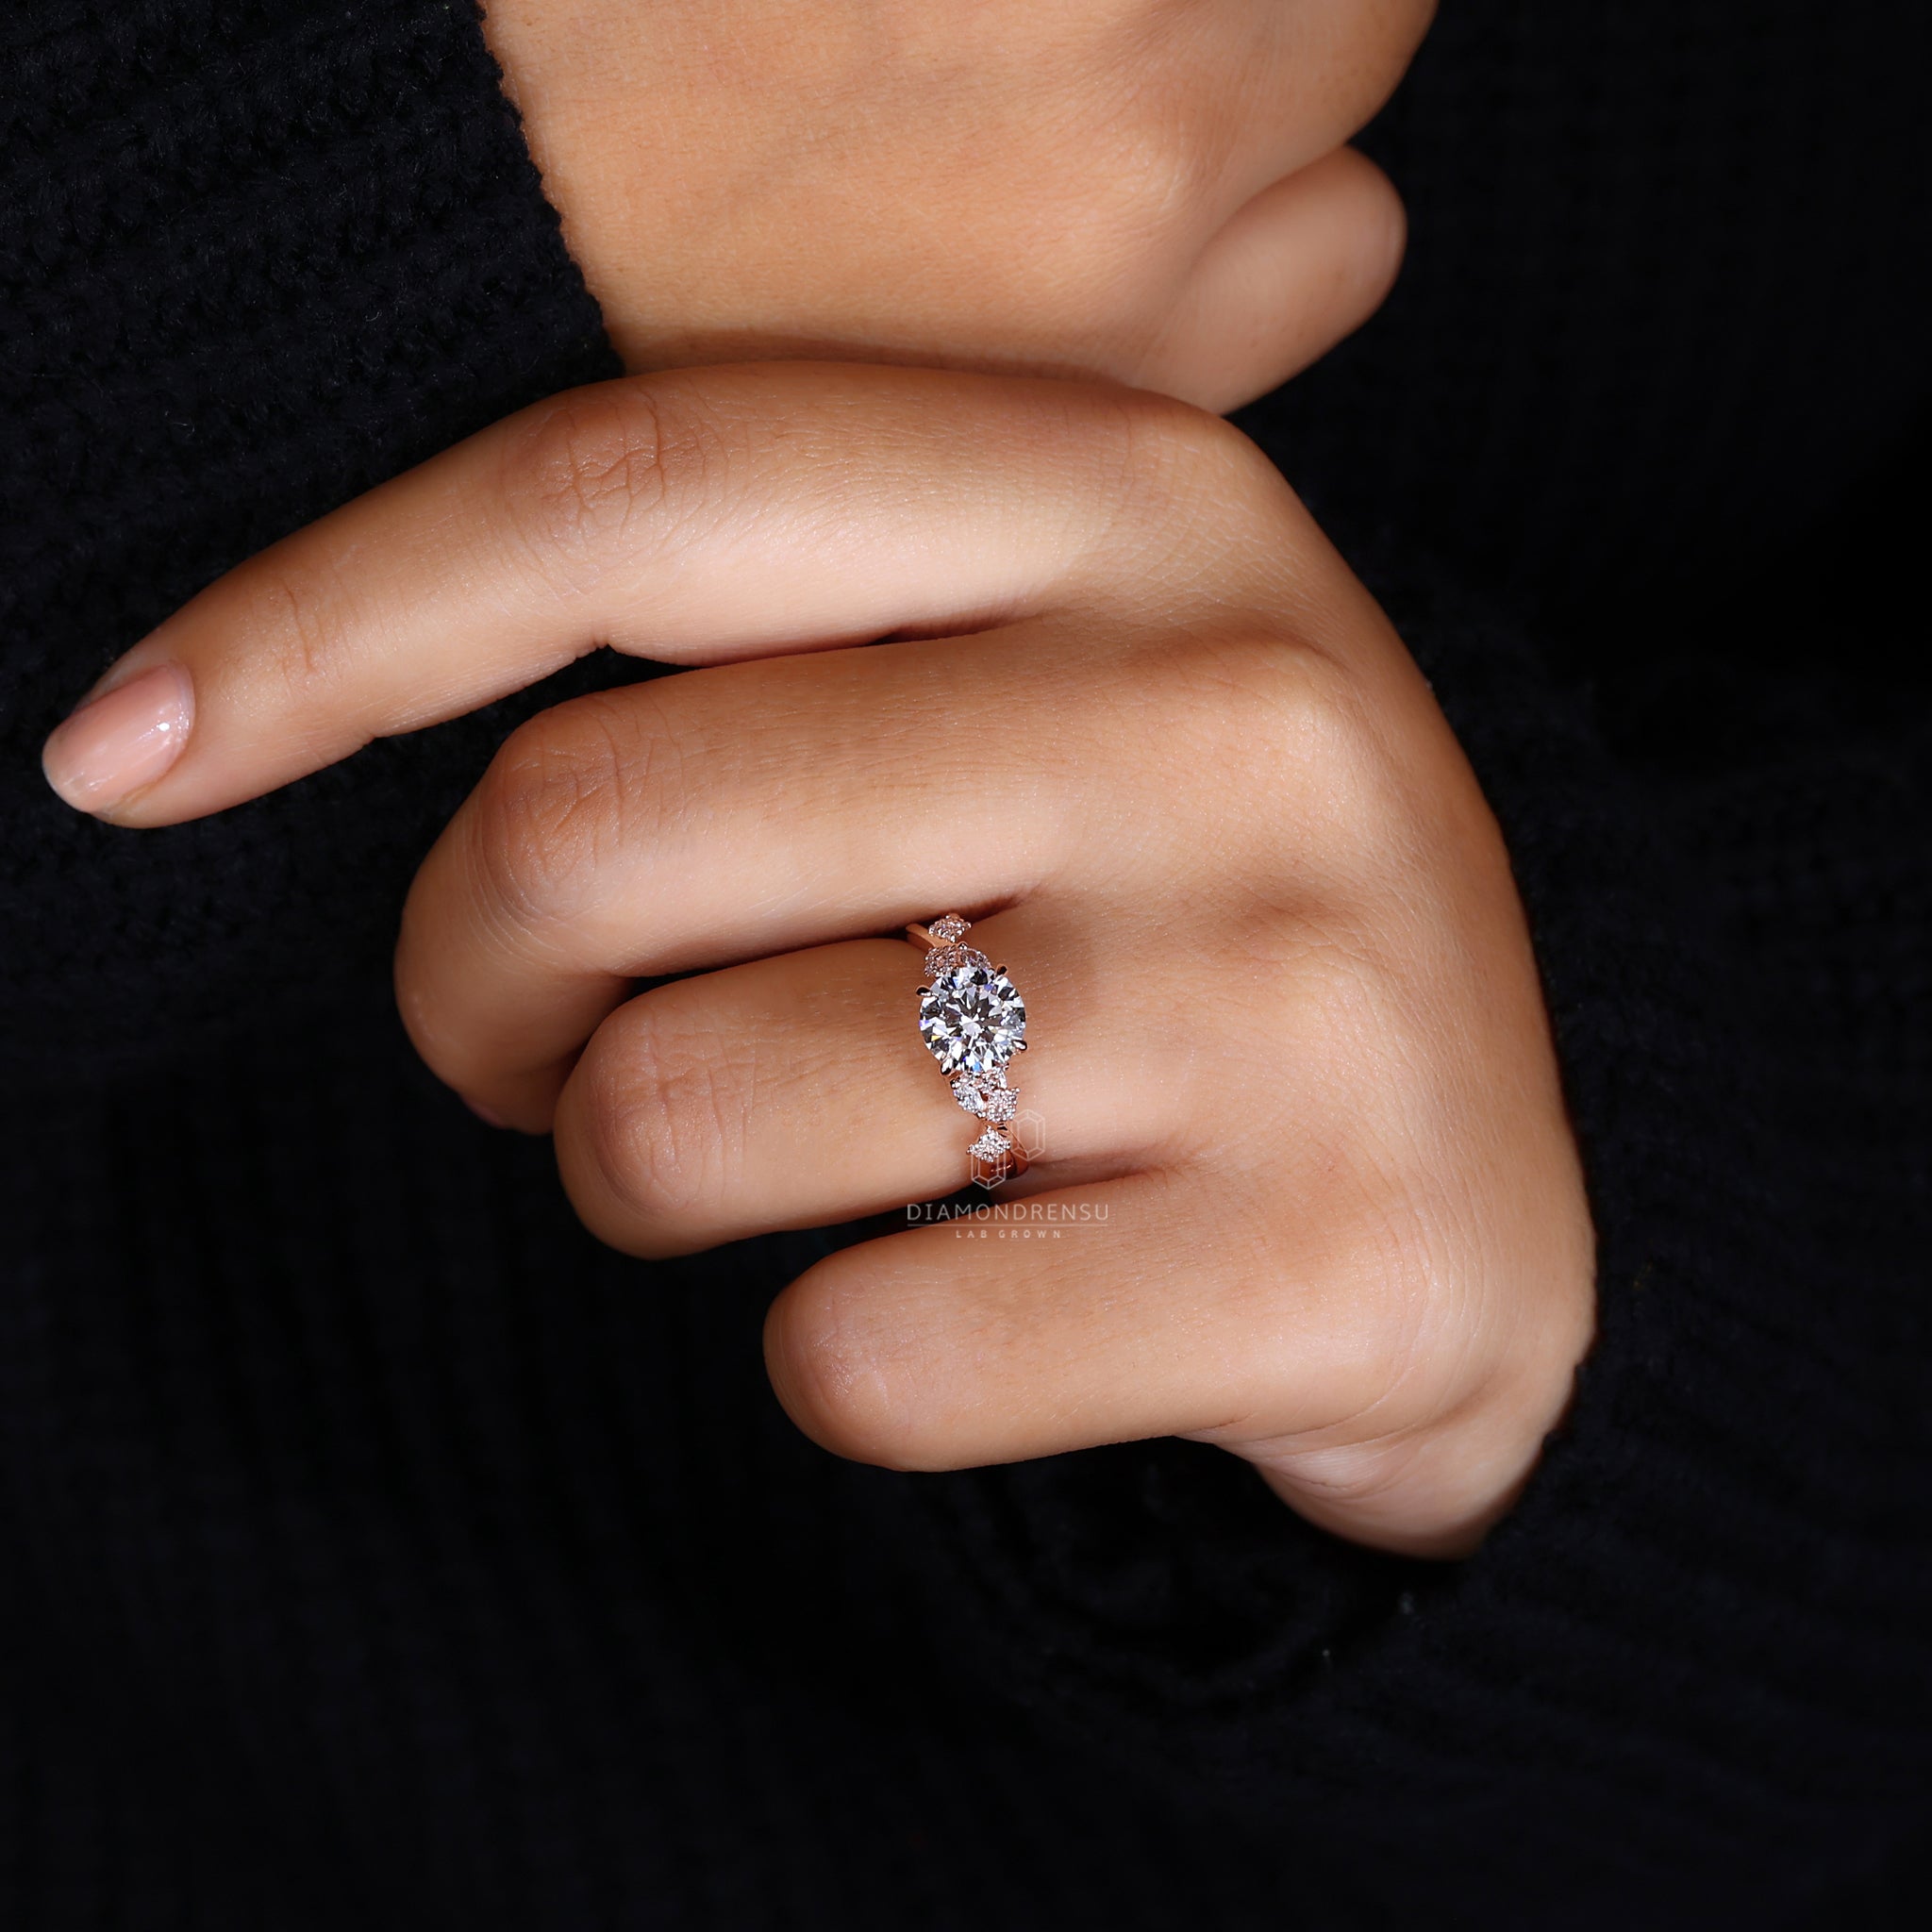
305, 235
256, 257
1702, 1641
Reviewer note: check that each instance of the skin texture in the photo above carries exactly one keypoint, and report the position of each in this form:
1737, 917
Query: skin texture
1150, 190
1074, 661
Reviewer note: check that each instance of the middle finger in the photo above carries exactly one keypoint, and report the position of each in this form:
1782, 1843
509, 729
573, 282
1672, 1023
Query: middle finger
748, 810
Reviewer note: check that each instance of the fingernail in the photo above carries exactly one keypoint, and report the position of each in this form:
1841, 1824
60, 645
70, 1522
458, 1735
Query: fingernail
121, 741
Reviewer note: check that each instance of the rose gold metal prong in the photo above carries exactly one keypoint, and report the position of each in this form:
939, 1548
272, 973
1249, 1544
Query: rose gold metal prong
924, 938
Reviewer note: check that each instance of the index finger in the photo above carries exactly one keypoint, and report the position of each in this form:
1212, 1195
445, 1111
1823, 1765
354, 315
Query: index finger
692, 517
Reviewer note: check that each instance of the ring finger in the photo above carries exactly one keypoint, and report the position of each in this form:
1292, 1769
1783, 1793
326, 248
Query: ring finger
796, 1091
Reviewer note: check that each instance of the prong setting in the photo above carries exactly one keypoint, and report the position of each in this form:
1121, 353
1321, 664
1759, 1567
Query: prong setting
974, 1022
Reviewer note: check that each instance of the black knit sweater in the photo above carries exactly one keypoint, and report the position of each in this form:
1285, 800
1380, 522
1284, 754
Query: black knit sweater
376, 1551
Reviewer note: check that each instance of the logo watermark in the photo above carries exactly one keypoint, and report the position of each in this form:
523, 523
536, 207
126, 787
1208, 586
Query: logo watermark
1009, 1221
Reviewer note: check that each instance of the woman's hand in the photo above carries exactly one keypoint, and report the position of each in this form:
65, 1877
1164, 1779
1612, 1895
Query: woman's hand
1153, 191
1132, 713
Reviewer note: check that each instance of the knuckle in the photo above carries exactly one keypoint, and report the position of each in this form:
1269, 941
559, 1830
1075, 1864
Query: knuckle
1151, 110
1277, 742
1264, 706
1298, 696
822, 1352
1142, 179
657, 1121
1189, 481
534, 827
567, 791
601, 469
1231, 469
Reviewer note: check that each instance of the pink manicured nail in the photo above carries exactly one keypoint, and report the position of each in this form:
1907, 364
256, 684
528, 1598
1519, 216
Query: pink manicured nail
123, 739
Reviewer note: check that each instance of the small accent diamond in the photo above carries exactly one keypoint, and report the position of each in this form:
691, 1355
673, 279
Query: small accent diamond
948, 927
994, 1144
947, 958
989, 1098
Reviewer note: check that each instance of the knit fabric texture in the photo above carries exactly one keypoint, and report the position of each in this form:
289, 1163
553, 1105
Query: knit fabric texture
379, 1551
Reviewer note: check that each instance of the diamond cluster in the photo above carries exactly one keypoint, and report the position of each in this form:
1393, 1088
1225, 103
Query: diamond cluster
987, 1095
944, 959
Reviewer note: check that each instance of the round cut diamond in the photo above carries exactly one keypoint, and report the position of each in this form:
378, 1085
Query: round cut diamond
971, 1019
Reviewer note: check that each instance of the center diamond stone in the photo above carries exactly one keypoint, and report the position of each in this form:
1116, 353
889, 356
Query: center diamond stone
971, 1019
